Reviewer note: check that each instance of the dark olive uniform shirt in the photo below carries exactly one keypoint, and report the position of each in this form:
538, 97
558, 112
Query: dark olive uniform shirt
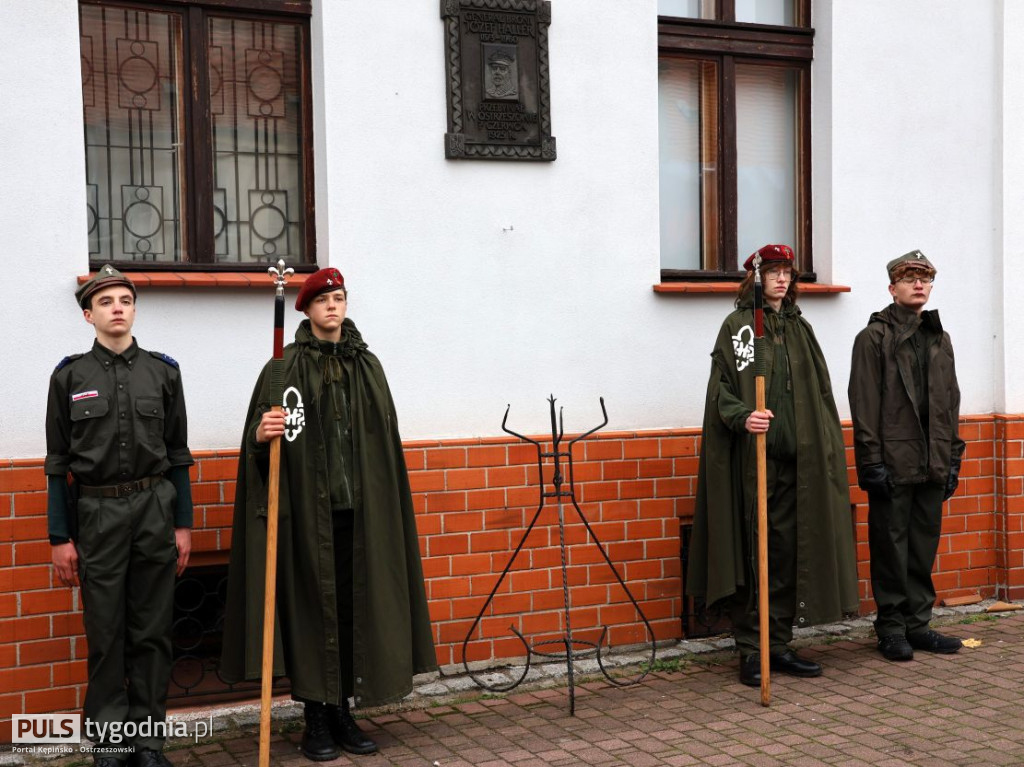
113, 418
920, 343
336, 424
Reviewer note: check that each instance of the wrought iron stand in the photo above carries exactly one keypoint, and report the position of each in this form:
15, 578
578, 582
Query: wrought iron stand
569, 644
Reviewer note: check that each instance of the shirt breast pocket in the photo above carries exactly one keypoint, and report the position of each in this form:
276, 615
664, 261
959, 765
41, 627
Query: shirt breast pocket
150, 412
87, 422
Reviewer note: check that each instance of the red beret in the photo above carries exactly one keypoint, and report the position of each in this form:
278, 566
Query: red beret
323, 281
770, 253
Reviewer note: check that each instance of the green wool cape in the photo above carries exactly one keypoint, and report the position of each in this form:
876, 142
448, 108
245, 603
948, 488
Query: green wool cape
722, 552
392, 638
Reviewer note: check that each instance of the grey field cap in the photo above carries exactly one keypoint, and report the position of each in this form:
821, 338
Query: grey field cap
915, 259
104, 278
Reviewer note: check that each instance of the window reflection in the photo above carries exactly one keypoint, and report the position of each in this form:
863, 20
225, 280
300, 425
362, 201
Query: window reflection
766, 152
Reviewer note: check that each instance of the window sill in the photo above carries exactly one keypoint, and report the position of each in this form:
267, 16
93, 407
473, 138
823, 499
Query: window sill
706, 288
205, 279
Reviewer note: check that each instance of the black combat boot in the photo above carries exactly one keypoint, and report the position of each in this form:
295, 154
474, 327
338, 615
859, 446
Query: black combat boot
145, 757
317, 743
933, 641
346, 732
750, 670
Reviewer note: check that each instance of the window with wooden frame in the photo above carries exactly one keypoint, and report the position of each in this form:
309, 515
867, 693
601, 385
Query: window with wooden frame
198, 137
734, 133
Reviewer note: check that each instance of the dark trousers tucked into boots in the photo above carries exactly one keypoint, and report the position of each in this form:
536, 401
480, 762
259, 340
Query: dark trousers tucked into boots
781, 570
344, 527
344, 730
126, 563
329, 726
903, 536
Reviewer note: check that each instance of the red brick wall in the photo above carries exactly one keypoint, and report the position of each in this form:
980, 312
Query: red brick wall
474, 498
1007, 481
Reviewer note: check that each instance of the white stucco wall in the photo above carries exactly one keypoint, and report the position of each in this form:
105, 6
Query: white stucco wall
915, 125
42, 218
486, 283
1010, 210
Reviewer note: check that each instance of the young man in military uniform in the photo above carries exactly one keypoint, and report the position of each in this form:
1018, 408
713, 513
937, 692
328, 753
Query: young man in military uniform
811, 563
905, 403
351, 605
121, 530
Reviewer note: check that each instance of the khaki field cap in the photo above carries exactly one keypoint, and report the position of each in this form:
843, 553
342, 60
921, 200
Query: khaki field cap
915, 259
104, 278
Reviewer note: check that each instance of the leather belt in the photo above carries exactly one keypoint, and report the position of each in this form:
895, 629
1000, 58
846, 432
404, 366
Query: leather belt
122, 490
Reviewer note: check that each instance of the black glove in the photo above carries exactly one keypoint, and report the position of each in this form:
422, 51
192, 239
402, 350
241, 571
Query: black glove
875, 479
954, 478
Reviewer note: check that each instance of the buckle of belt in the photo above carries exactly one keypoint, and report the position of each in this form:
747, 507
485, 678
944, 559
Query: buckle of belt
121, 490
126, 489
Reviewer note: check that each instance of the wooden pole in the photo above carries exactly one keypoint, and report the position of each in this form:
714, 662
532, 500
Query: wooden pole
764, 644
762, 553
269, 599
280, 275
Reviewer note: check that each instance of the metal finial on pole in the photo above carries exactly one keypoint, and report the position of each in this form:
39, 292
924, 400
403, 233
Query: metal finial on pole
280, 275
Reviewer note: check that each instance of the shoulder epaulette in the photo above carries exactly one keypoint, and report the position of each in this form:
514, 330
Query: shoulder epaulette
165, 358
66, 361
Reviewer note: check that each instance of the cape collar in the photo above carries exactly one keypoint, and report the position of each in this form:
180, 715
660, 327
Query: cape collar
350, 345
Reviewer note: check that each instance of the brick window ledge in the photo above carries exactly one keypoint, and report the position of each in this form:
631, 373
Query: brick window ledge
705, 288
259, 280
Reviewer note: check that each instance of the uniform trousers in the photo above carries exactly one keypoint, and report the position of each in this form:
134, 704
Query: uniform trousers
781, 569
903, 537
127, 561
344, 526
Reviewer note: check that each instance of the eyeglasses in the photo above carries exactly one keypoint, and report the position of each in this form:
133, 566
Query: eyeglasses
910, 279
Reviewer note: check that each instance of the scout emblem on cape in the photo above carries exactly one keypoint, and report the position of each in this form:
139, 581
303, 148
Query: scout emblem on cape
295, 414
743, 346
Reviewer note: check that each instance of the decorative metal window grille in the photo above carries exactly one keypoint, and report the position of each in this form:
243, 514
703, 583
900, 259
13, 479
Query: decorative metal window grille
255, 82
132, 75
698, 620
196, 137
199, 600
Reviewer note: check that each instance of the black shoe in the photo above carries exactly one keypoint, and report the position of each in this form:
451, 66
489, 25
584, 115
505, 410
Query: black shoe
933, 641
317, 743
346, 732
750, 670
791, 663
106, 761
147, 757
895, 647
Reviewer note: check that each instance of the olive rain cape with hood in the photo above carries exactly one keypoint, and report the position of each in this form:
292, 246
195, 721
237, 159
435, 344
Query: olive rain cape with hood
391, 634
722, 549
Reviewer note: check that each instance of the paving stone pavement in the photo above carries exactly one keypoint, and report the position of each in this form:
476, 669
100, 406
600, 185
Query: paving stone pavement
963, 709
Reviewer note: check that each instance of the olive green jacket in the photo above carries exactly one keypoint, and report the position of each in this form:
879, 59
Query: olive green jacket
886, 422
722, 554
392, 635
113, 418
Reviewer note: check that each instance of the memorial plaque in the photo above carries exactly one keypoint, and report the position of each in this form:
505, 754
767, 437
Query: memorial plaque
499, 95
